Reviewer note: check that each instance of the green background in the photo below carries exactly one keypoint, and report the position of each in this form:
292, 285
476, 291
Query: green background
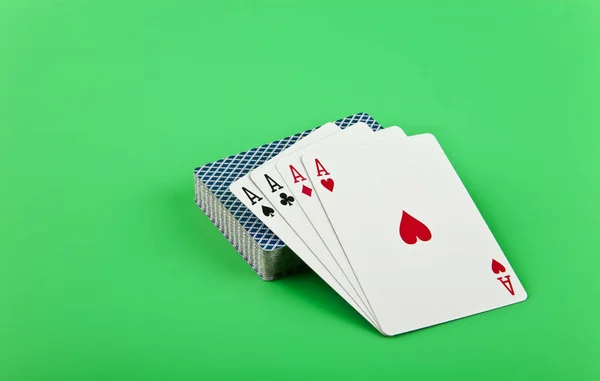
109, 271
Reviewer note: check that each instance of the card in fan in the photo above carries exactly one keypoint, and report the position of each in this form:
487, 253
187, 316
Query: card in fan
418, 245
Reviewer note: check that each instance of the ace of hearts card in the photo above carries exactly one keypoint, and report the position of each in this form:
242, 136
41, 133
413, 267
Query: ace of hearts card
417, 243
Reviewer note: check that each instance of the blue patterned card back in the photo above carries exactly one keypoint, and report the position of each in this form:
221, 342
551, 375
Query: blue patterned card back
219, 175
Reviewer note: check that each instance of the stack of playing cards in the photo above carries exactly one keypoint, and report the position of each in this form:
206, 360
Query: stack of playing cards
383, 218
257, 244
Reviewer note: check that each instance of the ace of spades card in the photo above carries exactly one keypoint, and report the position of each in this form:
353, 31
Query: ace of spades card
416, 241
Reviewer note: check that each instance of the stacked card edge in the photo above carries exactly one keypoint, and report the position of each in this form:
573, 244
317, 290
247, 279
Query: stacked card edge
268, 264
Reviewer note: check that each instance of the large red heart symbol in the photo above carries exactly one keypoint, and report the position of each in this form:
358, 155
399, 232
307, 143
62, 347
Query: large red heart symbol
411, 229
328, 184
497, 267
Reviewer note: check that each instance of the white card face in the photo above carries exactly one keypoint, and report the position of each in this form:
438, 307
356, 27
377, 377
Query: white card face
251, 196
273, 186
296, 178
416, 241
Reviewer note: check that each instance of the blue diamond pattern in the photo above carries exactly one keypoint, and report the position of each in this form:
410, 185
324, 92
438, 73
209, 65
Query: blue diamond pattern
219, 175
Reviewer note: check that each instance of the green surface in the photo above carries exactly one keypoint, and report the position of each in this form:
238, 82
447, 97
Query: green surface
108, 271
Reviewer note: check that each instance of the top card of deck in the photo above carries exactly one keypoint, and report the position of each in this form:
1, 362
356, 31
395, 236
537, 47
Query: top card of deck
417, 243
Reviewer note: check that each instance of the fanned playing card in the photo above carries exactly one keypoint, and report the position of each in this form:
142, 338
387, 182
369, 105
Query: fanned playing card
417, 243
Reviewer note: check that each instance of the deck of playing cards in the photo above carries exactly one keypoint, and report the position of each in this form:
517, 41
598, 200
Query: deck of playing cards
383, 218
